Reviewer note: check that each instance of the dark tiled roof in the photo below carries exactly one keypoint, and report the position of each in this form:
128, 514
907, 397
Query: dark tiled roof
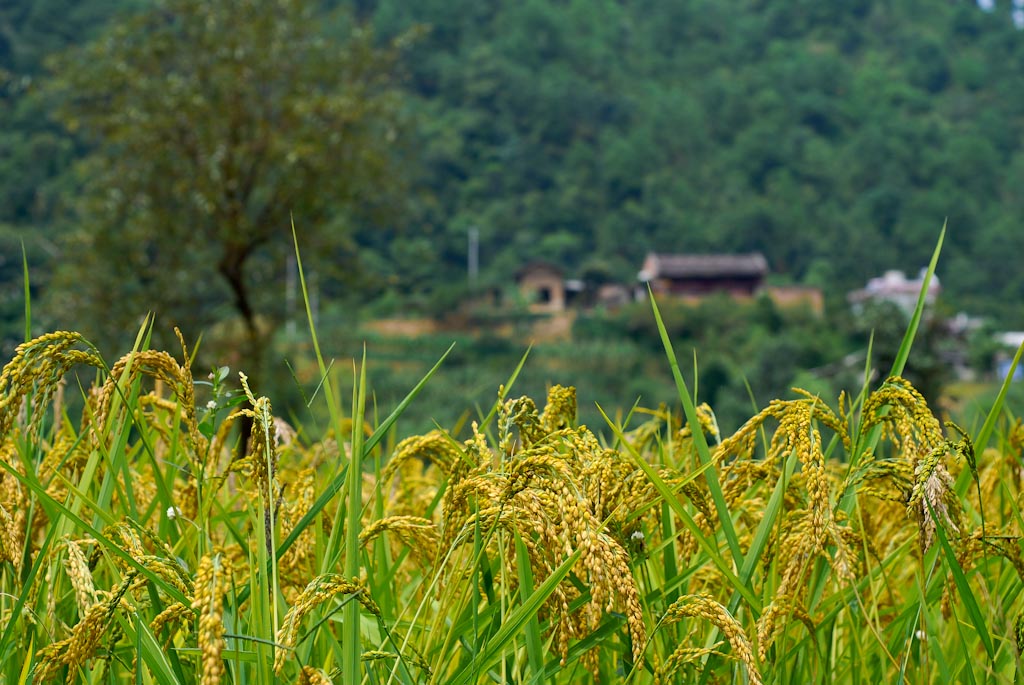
707, 265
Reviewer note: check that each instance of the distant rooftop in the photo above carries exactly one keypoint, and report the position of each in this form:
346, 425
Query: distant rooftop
659, 265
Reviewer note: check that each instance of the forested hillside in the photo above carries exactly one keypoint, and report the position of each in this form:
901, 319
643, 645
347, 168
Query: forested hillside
834, 137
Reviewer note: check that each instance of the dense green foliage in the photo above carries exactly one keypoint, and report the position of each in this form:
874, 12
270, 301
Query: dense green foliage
35, 151
835, 138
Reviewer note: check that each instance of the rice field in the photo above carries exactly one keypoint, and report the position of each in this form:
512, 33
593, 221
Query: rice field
856, 539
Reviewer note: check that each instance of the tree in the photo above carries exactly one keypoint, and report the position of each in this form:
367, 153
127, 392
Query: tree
214, 125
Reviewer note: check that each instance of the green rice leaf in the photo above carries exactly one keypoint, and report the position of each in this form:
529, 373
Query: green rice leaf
534, 647
514, 622
997, 407
699, 441
963, 587
900, 362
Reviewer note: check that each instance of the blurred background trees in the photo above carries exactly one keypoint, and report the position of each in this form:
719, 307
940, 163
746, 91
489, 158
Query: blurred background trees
157, 165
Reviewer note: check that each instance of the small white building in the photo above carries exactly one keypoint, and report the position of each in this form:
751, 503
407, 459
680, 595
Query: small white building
896, 288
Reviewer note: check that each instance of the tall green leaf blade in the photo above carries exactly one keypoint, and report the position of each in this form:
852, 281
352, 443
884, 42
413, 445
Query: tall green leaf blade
703, 452
514, 622
963, 587
28, 293
386, 424
534, 648
351, 638
993, 415
900, 362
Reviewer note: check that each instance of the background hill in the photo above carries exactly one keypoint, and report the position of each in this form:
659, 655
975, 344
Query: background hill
835, 138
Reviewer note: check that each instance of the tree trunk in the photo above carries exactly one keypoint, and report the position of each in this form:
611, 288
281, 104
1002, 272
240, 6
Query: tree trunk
232, 268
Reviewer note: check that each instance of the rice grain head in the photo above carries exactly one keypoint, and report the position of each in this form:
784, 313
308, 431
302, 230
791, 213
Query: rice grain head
86, 638
37, 368
313, 676
705, 607
212, 581
175, 614
320, 590
79, 575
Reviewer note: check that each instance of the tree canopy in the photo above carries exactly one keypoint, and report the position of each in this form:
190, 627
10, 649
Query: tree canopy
210, 128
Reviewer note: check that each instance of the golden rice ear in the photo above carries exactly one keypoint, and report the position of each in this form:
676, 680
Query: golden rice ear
86, 637
313, 676
77, 567
212, 581
435, 447
1018, 633
898, 407
319, 590
560, 410
781, 605
13, 510
38, 367
418, 533
521, 414
175, 614
705, 607
683, 656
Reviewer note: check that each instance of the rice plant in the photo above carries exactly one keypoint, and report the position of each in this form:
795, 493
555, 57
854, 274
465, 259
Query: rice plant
859, 540
856, 539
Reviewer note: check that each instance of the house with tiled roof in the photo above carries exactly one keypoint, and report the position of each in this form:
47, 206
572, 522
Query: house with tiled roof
697, 275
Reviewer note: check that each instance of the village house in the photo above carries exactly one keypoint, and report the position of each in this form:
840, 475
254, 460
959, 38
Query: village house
743, 276
793, 296
543, 287
697, 275
1009, 342
896, 288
